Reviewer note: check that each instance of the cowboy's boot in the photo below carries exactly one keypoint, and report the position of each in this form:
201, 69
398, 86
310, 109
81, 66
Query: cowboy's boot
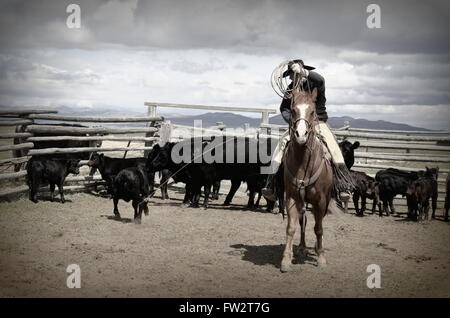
269, 190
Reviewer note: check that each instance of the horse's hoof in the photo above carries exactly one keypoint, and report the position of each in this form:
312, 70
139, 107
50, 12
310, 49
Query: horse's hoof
226, 203
146, 213
285, 268
137, 221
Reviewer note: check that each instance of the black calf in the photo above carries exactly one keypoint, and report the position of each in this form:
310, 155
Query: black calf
49, 170
365, 187
110, 167
131, 184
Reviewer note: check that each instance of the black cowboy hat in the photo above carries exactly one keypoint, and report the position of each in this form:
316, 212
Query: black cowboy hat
289, 71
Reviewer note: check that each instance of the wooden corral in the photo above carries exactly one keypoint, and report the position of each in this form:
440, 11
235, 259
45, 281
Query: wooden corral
379, 149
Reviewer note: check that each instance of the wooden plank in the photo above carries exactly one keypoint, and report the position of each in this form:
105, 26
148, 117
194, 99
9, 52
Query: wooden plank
14, 160
13, 175
15, 122
26, 145
370, 166
402, 158
83, 178
11, 191
93, 138
409, 132
88, 130
165, 132
47, 151
225, 108
389, 136
412, 146
15, 135
17, 112
97, 119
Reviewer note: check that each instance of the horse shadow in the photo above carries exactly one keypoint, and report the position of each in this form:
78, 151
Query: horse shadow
270, 254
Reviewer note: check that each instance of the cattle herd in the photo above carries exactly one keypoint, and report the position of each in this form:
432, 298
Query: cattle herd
133, 180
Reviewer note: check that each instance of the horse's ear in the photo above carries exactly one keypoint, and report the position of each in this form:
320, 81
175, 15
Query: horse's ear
314, 94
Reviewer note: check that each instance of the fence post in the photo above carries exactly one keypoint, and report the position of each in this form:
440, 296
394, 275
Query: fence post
151, 112
246, 128
165, 132
264, 117
23, 152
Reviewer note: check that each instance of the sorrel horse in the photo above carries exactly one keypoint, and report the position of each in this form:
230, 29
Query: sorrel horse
308, 176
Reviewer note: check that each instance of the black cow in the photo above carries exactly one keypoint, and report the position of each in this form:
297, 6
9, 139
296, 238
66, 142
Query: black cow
348, 152
420, 192
43, 169
110, 167
241, 169
131, 184
194, 175
365, 187
391, 183
197, 174
432, 173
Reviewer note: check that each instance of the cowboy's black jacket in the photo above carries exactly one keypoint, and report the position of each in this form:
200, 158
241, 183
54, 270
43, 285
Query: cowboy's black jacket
315, 80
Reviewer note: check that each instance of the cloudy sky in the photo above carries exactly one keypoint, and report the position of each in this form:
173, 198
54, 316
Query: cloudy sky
222, 53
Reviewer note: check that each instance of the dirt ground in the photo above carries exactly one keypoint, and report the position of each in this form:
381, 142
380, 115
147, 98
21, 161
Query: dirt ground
220, 252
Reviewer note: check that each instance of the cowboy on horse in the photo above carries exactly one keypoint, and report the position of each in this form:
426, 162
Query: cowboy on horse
304, 78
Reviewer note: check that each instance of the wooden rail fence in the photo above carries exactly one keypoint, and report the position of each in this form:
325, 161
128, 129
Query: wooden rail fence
379, 149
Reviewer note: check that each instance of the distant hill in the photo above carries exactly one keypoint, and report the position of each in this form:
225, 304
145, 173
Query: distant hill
337, 122
230, 119
234, 120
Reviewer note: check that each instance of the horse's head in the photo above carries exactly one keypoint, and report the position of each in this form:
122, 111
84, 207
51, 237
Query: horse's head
303, 115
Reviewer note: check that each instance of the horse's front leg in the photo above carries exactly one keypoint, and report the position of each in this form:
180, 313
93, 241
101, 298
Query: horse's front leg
302, 247
319, 212
292, 224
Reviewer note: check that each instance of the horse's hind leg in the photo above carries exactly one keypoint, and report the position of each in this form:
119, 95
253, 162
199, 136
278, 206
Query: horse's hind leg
286, 262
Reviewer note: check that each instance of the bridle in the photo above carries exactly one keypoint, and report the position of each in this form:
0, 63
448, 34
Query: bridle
293, 127
302, 184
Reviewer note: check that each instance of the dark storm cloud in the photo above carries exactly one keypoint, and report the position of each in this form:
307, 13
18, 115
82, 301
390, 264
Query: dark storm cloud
252, 25
222, 51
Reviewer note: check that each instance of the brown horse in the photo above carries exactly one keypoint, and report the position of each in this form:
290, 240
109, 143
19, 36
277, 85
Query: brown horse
308, 176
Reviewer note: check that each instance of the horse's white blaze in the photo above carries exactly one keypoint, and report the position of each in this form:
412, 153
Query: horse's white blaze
301, 127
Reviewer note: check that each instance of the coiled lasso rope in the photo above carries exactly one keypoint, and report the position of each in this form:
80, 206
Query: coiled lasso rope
280, 84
